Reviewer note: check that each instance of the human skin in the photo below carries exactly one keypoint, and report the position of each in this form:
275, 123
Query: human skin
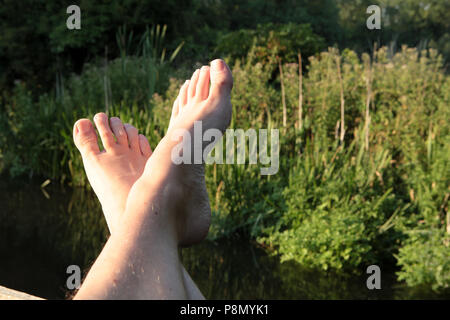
167, 206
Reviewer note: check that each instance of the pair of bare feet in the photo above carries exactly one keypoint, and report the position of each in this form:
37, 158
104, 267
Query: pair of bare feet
145, 197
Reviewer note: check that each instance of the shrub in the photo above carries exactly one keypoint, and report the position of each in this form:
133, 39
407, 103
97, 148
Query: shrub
425, 259
270, 41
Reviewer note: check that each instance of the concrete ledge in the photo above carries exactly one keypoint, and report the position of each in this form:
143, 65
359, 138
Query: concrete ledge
9, 294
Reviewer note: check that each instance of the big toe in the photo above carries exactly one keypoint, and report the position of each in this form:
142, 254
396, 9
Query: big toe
85, 137
221, 78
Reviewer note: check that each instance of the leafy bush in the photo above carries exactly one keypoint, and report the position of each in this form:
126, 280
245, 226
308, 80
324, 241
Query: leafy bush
335, 209
270, 41
425, 259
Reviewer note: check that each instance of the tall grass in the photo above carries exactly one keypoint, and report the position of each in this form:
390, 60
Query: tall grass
348, 192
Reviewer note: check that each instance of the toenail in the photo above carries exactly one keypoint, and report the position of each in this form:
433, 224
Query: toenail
98, 115
218, 64
83, 128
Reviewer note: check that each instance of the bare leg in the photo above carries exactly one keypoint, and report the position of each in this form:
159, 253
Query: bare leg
114, 170
140, 260
163, 206
192, 290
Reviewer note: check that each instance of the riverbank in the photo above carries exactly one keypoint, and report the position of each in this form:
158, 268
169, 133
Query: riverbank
44, 231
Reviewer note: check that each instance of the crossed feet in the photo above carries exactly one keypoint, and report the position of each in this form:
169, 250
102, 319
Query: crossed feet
123, 173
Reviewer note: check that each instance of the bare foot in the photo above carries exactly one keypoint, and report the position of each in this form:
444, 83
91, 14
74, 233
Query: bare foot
184, 188
111, 172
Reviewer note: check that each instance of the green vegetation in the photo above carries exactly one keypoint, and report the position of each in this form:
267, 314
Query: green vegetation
364, 160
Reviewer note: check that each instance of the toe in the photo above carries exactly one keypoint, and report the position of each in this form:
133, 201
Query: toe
144, 146
102, 124
133, 138
175, 108
221, 78
202, 90
85, 137
193, 85
183, 95
119, 131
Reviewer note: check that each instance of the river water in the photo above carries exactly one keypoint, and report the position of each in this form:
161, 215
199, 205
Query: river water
43, 231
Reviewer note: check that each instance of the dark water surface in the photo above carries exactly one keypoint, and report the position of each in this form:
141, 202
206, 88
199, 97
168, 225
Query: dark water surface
42, 232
